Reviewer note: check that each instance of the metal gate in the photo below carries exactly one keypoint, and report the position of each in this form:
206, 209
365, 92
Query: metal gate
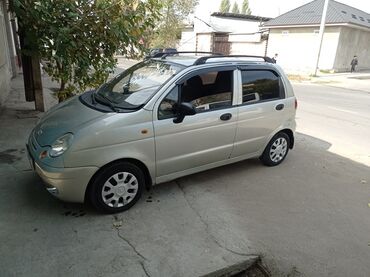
221, 43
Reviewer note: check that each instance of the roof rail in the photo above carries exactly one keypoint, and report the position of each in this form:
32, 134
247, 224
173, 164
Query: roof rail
163, 55
202, 60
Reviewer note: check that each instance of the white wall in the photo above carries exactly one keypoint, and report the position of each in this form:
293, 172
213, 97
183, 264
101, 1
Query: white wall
204, 42
353, 42
234, 25
247, 44
244, 30
248, 48
188, 41
297, 48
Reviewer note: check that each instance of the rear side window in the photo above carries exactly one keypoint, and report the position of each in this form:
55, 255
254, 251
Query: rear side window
260, 85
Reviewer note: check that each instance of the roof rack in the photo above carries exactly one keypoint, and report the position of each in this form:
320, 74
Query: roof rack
164, 55
202, 60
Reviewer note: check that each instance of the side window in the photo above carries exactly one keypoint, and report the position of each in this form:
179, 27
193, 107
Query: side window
168, 104
260, 85
209, 91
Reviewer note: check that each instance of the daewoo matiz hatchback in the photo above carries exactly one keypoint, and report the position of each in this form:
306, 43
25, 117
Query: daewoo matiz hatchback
162, 119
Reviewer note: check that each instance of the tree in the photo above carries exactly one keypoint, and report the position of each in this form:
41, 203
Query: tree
235, 8
245, 8
77, 39
225, 6
174, 14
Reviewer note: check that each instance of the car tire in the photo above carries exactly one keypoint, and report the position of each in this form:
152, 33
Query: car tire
276, 150
117, 187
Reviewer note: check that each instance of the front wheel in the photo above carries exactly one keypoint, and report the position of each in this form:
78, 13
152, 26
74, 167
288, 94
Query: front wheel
276, 151
117, 187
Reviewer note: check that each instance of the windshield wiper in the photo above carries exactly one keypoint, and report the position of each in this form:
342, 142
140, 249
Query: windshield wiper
109, 103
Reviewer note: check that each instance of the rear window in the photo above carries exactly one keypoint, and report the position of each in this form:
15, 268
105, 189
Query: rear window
260, 85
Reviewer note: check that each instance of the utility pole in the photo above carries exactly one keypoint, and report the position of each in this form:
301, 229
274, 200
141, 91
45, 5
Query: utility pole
321, 33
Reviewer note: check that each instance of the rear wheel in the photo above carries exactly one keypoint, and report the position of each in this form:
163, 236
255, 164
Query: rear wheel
117, 187
276, 150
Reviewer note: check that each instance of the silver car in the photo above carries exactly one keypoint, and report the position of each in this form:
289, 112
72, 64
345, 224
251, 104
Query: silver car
162, 119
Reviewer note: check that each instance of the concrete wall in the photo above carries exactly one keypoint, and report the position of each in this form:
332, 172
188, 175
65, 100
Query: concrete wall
188, 41
219, 24
248, 48
5, 65
204, 42
237, 27
297, 48
353, 42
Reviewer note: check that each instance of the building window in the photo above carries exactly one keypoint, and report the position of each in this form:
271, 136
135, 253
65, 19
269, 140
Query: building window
285, 33
354, 16
344, 12
316, 32
368, 20
361, 18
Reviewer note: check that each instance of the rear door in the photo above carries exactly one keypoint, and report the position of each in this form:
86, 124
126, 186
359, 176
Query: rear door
261, 109
201, 139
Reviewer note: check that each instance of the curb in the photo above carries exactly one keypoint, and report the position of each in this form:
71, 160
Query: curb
235, 269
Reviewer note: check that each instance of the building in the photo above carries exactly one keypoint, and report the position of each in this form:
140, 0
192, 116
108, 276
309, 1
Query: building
295, 37
225, 33
7, 53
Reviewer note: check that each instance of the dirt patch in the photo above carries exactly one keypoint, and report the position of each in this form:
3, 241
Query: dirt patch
298, 78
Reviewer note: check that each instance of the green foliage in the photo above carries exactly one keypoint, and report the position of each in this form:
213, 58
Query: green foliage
225, 6
235, 8
245, 8
77, 39
173, 15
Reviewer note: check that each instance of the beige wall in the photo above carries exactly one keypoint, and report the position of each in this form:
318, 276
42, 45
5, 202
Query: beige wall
248, 48
247, 44
353, 42
203, 42
188, 41
298, 48
5, 66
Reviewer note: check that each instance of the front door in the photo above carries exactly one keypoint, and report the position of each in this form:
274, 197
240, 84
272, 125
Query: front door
201, 139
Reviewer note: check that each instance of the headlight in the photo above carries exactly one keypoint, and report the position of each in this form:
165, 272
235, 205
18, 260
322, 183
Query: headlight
61, 145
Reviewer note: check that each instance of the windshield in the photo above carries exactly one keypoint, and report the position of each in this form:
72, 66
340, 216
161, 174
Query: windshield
135, 86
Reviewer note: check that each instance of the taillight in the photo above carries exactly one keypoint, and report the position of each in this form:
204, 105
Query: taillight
295, 103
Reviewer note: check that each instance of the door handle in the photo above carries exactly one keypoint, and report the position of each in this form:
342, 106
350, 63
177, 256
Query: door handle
279, 107
226, 116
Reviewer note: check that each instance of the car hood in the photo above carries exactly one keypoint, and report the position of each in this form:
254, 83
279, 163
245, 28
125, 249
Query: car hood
66, 117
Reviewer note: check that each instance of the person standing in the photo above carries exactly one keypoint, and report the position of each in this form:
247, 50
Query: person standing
354, 63
274, 59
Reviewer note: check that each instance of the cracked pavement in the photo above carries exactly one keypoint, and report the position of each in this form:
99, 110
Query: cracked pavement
42, 236
165, 237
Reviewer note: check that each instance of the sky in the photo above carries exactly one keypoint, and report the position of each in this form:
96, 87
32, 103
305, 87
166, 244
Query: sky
271, 8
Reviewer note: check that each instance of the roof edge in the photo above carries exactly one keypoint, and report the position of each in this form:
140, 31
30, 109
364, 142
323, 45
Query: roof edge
241, 16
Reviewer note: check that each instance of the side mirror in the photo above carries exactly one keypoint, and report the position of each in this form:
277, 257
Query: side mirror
182, 110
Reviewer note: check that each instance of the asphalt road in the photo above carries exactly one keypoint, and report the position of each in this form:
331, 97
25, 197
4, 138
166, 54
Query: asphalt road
305, 217
337, 115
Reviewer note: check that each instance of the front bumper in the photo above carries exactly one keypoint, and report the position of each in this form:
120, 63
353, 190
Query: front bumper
67, 184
